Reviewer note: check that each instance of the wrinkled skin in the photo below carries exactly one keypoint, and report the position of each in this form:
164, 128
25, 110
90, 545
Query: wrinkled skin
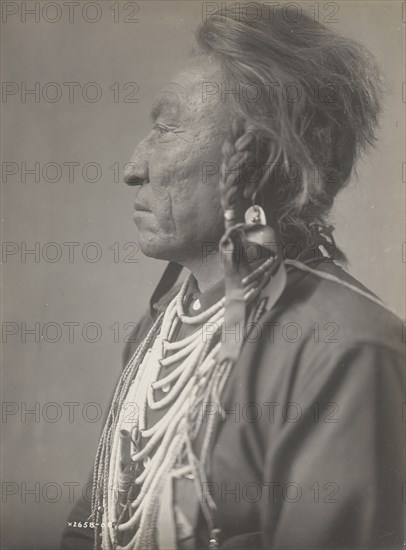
167, 167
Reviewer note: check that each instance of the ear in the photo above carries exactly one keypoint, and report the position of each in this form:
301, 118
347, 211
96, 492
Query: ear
253, 178
256, 170
249, 189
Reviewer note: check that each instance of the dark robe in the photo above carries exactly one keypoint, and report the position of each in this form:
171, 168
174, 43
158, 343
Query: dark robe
311, 453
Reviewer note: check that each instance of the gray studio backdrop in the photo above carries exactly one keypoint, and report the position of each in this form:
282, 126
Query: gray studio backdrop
68, 308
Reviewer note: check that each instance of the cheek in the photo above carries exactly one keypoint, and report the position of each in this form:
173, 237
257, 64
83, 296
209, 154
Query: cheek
186, 201
209, 214
160, 190
175, 174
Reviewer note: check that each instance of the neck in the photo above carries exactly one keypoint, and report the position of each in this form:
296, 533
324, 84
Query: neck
207, 273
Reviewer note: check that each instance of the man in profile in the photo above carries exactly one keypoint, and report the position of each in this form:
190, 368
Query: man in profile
268, 387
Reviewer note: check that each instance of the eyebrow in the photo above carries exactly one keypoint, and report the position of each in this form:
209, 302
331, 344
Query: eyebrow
167, 103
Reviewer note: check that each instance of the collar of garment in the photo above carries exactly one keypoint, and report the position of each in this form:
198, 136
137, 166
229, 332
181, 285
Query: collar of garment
196, 301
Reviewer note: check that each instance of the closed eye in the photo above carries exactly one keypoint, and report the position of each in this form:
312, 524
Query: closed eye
161, 129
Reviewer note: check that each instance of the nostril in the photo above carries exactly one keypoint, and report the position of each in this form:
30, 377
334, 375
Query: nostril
136, 173
132, 179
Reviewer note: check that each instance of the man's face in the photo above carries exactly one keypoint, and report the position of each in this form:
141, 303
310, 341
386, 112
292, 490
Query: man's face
177, 206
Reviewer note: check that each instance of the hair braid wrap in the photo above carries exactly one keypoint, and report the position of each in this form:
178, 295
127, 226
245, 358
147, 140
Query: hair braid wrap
238, 235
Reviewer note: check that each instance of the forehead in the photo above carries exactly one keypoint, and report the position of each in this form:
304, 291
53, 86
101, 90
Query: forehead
185, 90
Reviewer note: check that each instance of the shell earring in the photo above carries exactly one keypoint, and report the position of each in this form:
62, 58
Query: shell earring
257, 230
255, 214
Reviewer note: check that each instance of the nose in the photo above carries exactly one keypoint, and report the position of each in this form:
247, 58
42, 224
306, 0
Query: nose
136, 172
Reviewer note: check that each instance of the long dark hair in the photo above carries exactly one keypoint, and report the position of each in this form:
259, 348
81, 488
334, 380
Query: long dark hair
318, 99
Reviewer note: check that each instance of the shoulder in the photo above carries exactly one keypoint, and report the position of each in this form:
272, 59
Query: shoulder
322, 333
330, 300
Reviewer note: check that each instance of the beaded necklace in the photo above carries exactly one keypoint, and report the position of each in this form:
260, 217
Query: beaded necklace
133, 461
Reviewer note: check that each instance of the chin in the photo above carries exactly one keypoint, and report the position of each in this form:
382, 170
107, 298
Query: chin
168, 249
155, 248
